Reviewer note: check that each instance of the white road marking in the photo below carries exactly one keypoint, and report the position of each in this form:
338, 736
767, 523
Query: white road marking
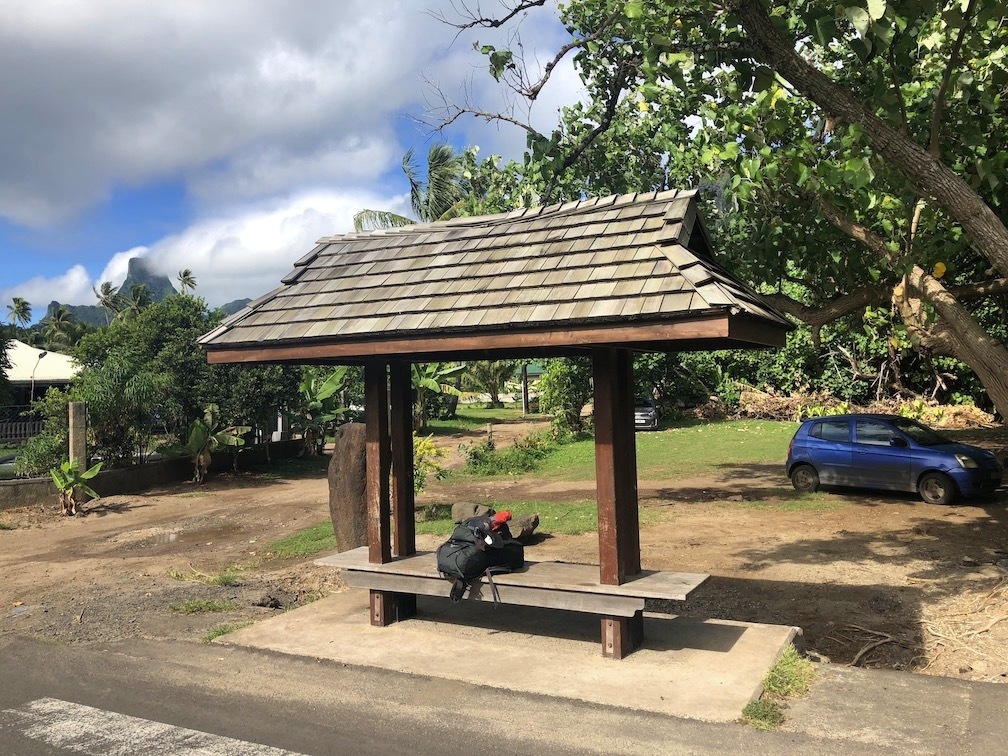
84, 729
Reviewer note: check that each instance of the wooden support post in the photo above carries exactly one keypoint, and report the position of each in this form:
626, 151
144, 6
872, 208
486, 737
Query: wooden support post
403, 516
403, 499
622, 635
378, 461
616, 487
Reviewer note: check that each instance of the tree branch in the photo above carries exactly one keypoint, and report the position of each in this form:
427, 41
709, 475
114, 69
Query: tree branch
939, 107
928, 174
533, 91
905, 124
476, 17
615, 89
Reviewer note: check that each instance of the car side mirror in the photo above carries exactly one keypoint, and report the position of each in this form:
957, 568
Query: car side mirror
898, 442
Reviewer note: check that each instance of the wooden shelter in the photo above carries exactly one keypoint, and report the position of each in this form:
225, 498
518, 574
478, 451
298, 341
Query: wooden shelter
600, 277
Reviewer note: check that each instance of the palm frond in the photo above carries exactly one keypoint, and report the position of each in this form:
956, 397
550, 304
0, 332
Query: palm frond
373, 220
418, 189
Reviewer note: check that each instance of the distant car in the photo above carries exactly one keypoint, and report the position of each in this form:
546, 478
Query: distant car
645, 414
890, 452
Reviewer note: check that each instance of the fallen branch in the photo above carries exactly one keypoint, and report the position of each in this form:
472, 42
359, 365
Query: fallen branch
871, 646
987, 627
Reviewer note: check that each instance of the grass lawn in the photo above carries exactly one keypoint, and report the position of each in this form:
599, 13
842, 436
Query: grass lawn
567, 518
684, 449
474, 417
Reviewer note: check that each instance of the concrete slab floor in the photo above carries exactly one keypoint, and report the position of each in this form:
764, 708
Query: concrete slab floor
706, 670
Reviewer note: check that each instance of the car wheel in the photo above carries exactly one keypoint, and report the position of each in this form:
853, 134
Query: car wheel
936, 488
805, 478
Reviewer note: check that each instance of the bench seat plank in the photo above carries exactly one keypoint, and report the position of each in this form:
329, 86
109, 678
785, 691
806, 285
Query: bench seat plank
547, 576
590, 603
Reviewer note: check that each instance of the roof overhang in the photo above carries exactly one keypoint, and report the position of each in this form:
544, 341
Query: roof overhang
721, 330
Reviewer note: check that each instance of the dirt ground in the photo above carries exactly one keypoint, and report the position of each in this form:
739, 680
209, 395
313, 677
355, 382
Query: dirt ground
880, 579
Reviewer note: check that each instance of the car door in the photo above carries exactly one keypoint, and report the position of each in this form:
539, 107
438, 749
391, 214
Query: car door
882, 456
829, 447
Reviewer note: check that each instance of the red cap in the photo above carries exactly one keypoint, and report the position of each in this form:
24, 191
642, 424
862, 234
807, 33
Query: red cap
500, 518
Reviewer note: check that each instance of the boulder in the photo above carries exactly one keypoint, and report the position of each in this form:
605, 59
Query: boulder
463, 510
523, 527
347, 480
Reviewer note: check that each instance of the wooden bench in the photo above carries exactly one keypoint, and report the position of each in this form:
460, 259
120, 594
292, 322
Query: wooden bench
553, 585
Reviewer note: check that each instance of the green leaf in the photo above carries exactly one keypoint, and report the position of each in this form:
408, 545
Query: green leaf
650, 91
859, 17
826, 29
730, 151
89, 491
634, 9
876, 9
92, 472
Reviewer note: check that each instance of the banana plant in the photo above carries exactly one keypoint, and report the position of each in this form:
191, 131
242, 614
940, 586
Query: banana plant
206, 436
432, 378
68, 479
318, 407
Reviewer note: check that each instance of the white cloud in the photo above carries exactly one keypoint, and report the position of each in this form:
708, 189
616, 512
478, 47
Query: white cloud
72, 287
236, 99
247, 253
243, 254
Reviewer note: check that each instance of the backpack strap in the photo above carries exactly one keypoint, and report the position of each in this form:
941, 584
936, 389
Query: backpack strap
498, 569
458, 589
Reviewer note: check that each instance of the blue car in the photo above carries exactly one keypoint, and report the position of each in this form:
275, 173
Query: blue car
890, 452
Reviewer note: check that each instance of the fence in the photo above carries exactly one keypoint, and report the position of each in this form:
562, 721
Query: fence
18, 424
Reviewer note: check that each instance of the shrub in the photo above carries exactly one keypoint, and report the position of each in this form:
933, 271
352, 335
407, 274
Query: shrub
425, 461
48, 449
524, 456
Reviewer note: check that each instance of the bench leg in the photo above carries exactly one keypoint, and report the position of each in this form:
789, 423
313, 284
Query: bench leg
388, 607
622, 635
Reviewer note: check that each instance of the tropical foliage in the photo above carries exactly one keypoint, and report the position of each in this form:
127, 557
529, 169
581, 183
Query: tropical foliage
69, 479
489, 377
852, 158
318, 406
206, 435
430, 380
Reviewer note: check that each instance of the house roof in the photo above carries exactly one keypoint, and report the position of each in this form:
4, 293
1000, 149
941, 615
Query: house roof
51, 367
630, 270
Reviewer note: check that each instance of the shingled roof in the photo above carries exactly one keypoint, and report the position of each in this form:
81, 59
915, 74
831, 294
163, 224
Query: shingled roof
630, 270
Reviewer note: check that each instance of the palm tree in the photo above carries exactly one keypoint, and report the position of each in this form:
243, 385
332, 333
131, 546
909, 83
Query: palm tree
186, 280
57, 329
489, 377
437, 197
19, 311
109, 299
139, 299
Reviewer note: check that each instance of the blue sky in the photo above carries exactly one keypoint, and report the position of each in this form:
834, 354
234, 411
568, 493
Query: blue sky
224, 137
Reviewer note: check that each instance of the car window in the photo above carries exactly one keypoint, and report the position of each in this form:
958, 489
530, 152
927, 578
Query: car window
919, 433
873, 432
831, 430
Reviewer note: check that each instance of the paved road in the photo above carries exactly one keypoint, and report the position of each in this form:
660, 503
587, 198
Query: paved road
169, 698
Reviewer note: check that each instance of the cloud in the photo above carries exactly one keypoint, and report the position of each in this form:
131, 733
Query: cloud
234, 256
235, 99
247, 253
72, 287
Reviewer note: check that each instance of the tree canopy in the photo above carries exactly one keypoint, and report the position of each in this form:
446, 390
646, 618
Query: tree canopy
851, 156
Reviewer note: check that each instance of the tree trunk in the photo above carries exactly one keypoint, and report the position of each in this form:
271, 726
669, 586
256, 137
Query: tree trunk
959, 335
928, 174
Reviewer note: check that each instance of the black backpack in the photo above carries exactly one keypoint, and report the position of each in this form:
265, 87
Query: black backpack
475, 550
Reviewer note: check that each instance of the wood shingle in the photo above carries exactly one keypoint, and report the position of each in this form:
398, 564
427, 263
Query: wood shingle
594, 264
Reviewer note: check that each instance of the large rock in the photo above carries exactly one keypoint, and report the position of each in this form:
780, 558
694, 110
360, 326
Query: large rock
463, 510
523, 528
347, 480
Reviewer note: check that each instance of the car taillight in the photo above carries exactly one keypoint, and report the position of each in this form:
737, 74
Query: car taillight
791, 445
